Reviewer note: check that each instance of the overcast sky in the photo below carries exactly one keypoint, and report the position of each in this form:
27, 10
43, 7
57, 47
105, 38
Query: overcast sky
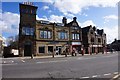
100, 13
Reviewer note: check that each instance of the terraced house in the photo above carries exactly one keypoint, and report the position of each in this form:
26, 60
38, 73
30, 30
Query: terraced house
94, 40
39, 37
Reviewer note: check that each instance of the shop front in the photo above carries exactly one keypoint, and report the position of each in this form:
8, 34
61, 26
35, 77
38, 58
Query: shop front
76, 46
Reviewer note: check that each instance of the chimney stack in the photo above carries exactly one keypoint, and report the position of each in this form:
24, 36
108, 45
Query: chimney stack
74, 19
64, 20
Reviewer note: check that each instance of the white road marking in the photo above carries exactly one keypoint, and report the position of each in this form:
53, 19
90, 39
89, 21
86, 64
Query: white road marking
107, 74
85, 77
95, 76
22, 60
10, 64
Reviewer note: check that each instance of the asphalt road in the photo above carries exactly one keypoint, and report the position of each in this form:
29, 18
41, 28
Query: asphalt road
83, 67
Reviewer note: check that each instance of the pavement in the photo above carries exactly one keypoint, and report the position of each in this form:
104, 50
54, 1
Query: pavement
50, 56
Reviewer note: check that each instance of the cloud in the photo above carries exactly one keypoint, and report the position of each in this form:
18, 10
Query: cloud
58, 19
45, 7
55, 18
84, 14
76, 6
69, 15
47, 1
111, 33
9, 22
110, 17
43, 18
87, 23
119, 32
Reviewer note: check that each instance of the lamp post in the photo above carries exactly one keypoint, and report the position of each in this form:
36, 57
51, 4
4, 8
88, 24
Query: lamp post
54, 49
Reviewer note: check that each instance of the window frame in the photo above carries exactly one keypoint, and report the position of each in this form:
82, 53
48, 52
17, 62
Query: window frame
75, 36
41, 49
62, 35
47, 34
28, 31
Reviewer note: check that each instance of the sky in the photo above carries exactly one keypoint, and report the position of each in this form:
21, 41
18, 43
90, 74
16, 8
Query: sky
100, 13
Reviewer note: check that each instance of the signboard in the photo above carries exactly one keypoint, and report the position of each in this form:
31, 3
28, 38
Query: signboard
95, 45
76, 43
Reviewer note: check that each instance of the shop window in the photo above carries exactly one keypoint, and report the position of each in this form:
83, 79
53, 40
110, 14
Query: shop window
50, 48
42, 49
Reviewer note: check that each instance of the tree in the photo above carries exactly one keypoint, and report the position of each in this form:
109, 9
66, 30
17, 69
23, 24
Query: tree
13, 41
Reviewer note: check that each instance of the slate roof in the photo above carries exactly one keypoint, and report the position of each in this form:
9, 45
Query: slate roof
100, 32
116, 42
86, 29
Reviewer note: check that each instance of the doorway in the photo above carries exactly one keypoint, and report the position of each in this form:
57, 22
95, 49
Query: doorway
27, 50
58, 50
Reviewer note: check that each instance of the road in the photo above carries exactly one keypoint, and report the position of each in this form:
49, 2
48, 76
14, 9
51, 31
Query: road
83, 67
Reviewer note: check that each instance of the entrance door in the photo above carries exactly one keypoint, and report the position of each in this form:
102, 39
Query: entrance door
59, 50
27, 50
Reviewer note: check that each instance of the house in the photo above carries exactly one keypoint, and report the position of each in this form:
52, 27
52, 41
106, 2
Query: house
94, 40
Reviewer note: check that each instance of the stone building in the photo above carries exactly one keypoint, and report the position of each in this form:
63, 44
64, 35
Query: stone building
40, 37
115, 45
27, 29
94, 40
1, 45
